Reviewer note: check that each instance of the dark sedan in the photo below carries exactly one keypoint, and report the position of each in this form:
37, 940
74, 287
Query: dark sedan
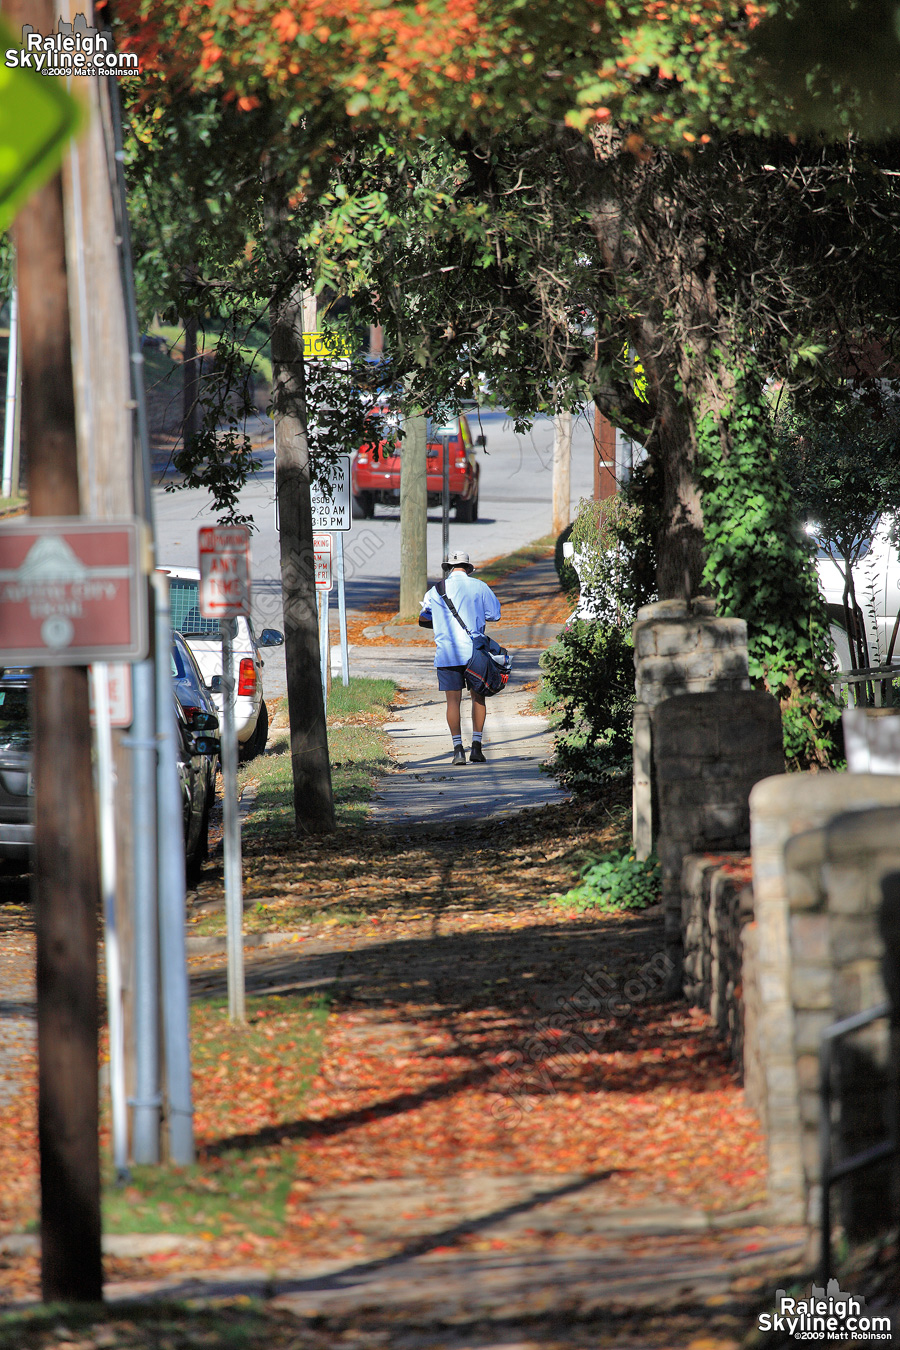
16, 828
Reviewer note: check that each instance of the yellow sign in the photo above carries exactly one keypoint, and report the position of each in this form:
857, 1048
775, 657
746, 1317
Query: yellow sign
329, 345
37, 117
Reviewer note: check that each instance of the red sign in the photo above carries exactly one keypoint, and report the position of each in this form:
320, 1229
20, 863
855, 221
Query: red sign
224, 571
322, 561
118, 683
72, 591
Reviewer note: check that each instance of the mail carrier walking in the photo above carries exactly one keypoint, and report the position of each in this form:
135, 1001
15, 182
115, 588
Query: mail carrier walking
457, 610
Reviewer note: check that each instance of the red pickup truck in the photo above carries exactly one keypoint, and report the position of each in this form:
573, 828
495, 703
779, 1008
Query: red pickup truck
377, 481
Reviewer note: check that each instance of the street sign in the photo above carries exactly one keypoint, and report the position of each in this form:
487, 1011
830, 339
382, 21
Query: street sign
224, 571
327, 345
322, 557
333, 512
118, 677
72, 591
37, 117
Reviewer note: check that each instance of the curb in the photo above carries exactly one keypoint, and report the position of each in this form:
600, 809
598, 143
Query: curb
637, 1221
215, 942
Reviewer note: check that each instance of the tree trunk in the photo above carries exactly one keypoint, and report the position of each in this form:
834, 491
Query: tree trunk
680, 548
413, 518
562, 471
313, 801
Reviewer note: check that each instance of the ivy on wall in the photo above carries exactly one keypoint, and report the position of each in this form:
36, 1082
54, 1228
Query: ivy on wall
760, 567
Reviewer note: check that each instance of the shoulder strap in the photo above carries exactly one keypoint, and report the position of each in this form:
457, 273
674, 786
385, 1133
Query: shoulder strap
441, 589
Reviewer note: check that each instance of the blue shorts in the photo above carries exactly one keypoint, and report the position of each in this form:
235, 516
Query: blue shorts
451, 677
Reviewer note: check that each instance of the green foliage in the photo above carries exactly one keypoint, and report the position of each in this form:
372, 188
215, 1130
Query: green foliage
760, 567
841, 458
616, 564
614, 882
219, 460
589, 678
568, 577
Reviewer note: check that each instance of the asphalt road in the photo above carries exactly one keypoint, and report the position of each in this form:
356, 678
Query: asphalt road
515, 498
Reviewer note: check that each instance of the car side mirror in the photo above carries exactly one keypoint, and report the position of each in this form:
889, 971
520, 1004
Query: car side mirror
271, 637
481, 440
203, 722
206, 745
215, 684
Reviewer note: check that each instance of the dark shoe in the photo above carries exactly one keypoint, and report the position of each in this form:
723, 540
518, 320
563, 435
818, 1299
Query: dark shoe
459, 755
476, 754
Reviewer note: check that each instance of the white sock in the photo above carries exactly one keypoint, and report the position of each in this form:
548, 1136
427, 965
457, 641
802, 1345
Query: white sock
457, 740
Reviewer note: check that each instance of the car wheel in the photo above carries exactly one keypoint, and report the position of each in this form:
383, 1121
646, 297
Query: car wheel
475, 505
464, 511
193, 865
363, 507
257, 742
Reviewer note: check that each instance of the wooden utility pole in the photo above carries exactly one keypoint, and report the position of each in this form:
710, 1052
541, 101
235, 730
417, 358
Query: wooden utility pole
104, 411
605, 482
413, 517
313, 801
66, 877
562, 471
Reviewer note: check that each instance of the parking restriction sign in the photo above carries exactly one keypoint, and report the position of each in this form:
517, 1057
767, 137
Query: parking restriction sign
322, 559
224, 571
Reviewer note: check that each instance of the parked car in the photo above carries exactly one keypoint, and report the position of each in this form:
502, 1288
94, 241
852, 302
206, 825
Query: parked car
202, 636
195, 698
376, 479
16, 785
196, 749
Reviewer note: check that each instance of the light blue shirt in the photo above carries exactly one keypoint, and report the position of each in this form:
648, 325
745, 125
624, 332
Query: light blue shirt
476, 605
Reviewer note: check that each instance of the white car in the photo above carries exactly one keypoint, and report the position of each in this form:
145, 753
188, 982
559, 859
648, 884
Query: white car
876, 580
202, 636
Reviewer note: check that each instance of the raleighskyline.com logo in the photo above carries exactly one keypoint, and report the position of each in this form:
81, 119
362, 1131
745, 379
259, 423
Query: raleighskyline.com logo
826, 1316
75, 49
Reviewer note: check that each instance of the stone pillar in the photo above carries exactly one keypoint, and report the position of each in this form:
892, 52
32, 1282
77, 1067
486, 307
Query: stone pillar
842, 882
781, 808
709, 750
679, 648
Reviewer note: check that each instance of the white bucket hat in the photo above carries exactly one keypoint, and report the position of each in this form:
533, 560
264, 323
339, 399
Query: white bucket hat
458, 559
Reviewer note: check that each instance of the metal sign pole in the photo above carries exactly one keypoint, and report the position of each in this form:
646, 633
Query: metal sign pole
106, 794
234, 902
12, 395
323, 644
445, 496
342, 611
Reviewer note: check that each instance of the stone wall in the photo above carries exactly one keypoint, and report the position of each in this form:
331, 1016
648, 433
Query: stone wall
708, 751
835, 888
716, 905
781, 1038
679, 649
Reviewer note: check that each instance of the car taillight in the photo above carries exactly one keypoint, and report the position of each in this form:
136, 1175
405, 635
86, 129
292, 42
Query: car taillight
461, 462
362, 456
247, 678
190, 714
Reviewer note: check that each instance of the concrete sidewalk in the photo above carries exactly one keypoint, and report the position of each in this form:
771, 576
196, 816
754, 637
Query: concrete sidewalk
516, 742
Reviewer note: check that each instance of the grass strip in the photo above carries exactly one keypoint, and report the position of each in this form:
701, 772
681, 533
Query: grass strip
498, 568
249, 1080
357, 747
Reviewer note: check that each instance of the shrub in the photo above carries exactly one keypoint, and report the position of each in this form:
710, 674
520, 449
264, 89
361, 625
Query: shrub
616, 881
589, 679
